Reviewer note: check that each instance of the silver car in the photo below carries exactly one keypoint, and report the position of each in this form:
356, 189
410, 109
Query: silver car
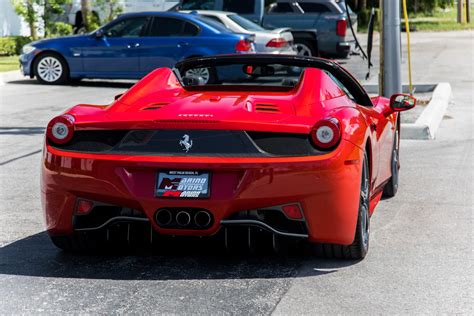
278, 41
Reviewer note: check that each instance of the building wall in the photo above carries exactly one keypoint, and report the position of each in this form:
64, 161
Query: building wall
10, 22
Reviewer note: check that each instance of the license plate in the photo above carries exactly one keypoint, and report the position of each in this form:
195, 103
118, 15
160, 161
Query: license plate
182, 184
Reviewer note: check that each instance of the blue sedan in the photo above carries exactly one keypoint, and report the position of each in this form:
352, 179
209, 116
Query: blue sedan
130, 47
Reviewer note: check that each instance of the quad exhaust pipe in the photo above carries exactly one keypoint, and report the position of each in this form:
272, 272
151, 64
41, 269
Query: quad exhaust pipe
202, 219
182, 218
163, 217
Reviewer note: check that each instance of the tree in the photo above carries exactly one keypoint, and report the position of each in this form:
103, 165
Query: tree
86, 9
28, 10
42, 13
111, 8
51, 10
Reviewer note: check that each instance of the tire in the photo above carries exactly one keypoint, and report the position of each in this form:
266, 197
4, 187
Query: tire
304, 49
208, 75
391, 188
360, 246
343, 55
51, 68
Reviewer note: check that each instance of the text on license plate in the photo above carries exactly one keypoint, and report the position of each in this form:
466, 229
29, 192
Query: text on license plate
182, 184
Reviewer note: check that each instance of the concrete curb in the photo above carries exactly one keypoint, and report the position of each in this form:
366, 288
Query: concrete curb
427, 124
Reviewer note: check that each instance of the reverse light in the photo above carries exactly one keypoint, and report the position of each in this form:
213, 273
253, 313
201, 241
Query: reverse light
292, 211
61, 129
277, 42
243, 46
83, 207
341, 28
326, 133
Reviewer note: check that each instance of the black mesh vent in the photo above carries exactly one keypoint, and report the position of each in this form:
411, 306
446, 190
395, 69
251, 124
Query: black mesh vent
283, 144
93, 141
215, 143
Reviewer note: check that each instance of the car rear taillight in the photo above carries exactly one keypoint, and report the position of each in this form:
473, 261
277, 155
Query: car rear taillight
277, 42
243, 46
341, 28
326, 133
61, 129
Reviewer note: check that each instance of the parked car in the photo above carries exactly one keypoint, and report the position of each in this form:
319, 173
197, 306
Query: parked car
327, 17
278, 41
279, 147
130, 47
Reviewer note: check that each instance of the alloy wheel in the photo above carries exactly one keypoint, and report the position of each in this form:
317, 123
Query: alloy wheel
49, 69
197, 73
303, 50
364, 206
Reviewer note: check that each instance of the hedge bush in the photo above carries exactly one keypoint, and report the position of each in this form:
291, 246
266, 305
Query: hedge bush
12, 45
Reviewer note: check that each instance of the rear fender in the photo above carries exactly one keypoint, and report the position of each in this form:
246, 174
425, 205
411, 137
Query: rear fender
354, 126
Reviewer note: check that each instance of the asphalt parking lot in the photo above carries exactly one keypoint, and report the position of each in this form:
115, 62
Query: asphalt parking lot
420, 258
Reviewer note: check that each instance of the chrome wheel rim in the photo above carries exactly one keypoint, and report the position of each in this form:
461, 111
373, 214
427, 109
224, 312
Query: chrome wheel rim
49, 69
364, 206
303, 50
395, 160
197, 73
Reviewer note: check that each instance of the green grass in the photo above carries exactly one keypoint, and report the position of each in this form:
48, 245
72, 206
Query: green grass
439, 20
8, 63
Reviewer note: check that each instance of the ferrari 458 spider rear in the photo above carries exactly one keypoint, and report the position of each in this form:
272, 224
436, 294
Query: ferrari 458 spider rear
289, 145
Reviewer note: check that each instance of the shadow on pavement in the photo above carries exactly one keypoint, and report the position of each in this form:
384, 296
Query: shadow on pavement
82, 83
36, 256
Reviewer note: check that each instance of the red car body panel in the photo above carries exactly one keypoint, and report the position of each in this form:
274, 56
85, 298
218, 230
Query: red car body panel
326, 186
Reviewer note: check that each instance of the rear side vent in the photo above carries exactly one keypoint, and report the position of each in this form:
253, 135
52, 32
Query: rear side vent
154, 106
266, 108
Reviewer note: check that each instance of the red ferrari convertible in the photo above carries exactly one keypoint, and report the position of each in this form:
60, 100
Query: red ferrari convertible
292, 146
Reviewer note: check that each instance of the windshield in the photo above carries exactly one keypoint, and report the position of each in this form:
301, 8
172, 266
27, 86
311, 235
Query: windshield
197, 4
244, 23
217, 26
342, 5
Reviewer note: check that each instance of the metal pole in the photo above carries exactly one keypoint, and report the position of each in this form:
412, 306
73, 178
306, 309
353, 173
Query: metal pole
391, 50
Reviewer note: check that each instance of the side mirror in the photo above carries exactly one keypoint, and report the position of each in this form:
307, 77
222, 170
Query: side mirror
99, 34
402, 102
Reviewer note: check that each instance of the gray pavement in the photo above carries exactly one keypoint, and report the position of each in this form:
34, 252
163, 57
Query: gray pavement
421, 254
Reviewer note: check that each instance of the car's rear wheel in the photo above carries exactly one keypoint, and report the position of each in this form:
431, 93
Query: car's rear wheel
51, 68
304, 49
360, 246
202, 76
391, 188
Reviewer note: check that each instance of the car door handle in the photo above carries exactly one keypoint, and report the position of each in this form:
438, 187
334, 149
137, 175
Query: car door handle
133, 45
182, 44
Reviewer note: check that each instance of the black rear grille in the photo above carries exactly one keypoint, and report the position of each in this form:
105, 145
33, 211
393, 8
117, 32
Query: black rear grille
215, 143
284, 144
